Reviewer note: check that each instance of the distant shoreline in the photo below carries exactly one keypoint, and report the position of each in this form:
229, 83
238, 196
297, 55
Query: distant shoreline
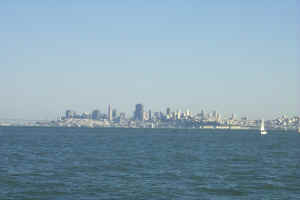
148, 129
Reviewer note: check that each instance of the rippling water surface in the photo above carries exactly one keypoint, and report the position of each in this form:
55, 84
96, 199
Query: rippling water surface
66, 163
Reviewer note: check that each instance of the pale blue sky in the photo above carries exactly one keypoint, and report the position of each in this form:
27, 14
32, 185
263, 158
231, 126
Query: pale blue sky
233, 56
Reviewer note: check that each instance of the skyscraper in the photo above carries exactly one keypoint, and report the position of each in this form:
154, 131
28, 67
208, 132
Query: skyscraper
168, 111
187, 113
109, 113
149, 115
178, 114
96, 115
214, 114
202, 114
114, 113
233, 116
70, 114
122, 116
218, 118
139, 112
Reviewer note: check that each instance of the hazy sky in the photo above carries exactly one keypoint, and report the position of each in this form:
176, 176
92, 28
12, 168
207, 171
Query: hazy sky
233, 56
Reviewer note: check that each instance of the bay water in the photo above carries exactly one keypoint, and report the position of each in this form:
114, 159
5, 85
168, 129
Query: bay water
112, 163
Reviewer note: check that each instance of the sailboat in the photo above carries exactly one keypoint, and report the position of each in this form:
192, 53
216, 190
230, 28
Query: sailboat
262, 128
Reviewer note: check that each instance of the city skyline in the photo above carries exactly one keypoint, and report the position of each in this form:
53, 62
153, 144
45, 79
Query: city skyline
109, 109
240, 58
139, 110
142, 118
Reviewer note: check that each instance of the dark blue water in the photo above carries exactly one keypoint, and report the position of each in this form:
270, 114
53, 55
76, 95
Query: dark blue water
61, 163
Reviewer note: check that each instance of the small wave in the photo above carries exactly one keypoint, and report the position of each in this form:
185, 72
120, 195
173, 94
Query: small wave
224, 191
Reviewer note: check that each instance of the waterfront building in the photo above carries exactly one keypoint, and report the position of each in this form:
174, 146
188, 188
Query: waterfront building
85, 115
244, 118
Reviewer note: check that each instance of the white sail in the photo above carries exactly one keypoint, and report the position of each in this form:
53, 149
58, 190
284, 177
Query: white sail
262, 127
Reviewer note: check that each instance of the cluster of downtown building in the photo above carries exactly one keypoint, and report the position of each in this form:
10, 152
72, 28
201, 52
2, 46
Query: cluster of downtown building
142, 118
